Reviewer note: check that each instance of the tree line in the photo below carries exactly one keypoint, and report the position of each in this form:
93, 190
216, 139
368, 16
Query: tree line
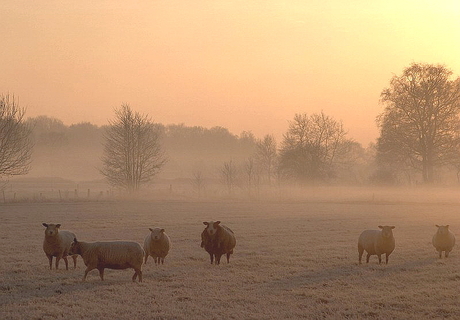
419, 142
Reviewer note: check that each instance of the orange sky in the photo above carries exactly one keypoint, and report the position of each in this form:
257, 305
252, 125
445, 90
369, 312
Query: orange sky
244, 65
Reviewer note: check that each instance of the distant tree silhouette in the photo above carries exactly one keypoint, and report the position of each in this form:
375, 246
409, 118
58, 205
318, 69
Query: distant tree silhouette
15, 141
311, 147
420, 123
132, 151
267, 156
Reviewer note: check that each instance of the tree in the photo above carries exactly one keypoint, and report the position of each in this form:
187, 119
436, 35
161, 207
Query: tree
15, 142
266, 155
132, 151
310, 147
419, 123
228, 174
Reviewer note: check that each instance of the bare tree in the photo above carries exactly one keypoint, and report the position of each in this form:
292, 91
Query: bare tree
420, 119
15, 142
198, 181
266, 156
228, 174
311, 146
132, 151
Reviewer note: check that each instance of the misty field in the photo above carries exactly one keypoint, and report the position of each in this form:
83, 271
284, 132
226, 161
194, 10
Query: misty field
293, 259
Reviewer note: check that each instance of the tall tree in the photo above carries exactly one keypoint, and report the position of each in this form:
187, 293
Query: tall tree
266, 156
132, 151
419, 123
311, 147
15, 142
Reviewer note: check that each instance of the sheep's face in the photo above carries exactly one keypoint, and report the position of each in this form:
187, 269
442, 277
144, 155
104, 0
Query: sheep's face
74, 247
51, 229
387, 231
211, 227
157, 233
443, 229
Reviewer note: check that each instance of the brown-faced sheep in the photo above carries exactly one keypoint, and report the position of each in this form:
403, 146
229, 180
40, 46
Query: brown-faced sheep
443, 240
217, 240
57, 244
156, 244
376, 242
111, 255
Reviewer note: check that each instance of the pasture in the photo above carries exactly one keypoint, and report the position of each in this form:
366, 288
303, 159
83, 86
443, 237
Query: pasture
293, 260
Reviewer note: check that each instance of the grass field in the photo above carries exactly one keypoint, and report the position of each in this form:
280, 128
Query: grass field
292, 260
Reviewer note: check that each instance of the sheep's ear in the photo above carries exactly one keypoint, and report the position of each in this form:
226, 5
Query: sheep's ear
216, 223
58, 225
45, 225
205, 223
436, 226
380, 227
392, 227
150, 229
162, 230
447, 226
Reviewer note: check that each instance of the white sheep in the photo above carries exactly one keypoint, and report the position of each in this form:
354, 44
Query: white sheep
443, 240
376, 242
57, 244
156, 244
111, 255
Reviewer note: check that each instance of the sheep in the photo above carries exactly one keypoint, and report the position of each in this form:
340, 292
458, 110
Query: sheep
156, 244
57, 244
217, 239
376, 242
111, 255
443, 240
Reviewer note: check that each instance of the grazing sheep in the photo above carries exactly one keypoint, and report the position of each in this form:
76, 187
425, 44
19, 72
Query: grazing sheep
57, 244
377, 242
111, 255
217, 240
156, 244
443, 240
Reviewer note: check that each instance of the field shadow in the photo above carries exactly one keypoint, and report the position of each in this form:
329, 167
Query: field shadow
346, 272
26, 289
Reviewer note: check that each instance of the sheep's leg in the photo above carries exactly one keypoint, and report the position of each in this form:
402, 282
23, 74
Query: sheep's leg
66, 262
212, 257
360, 251
386, 258
163, 260
380, 258
218, 256
50, 258
367, 258
146, 256
446, 253
440, 254
137, 273
58, 258
74, 257
88, 269
101, 273
228, 257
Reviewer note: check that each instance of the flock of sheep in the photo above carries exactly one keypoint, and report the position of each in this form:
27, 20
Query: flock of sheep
217, 239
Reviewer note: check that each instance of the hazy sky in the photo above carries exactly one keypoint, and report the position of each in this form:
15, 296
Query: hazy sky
244, 65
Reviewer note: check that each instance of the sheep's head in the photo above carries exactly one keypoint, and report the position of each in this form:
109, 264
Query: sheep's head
443, 229
387, 231
211, 227
51, 229
157, 233
74, 247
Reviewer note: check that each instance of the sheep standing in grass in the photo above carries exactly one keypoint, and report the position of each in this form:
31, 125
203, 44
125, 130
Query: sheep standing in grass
217, 240
156, 244
111, 255
57, 244
376, 242
443, 240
